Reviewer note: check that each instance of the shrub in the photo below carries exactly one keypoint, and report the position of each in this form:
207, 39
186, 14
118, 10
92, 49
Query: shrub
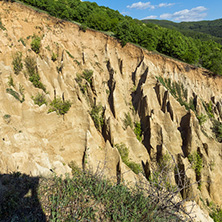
35, 44
217, 129
61, 107
202, 118
32, 70
127, 121
124, 153
22, 41
17, 62
11, 81
138, 131
97, 116
39, 99
87, 75
197, 162
15, 94
2, 26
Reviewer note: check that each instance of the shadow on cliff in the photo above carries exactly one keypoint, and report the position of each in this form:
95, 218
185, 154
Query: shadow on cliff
19, 199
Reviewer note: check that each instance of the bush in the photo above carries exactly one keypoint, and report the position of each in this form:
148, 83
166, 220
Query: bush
87, 75
61, 107
197, 162
138, 131
16, 95
11, 81
97, 116
124, 153
202, 118
33, 74
217, 129
127, 121
17, 62
35, 44
39, 99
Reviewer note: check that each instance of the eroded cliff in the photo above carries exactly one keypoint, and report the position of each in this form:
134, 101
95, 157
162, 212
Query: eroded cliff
128, 86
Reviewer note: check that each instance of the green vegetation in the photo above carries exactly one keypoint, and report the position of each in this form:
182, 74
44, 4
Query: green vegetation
19, 96
17, 62
127, 121
7, 116
2, 27
54, 57
177, 90
138, 131
11, 81
203, 30
201, 52
32, 71
82, 197
39, 99
36, 44
86, 75
202, 118
197, 162
217, 129
70, 55
60, 106
97, 116
216, 214
124, 153
22, 41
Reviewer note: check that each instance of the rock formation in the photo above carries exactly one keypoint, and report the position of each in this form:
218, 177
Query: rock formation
129, 84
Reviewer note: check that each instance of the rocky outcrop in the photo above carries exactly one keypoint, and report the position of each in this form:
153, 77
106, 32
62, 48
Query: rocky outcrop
130, 84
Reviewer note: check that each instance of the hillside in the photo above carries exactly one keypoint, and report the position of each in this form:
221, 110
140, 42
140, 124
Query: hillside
196, 51
211, 28
70, 95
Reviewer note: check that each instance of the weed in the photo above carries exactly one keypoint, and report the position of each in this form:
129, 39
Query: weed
36, 44
17, 62
87, 75
22, 41
76, 61
97, 116
83, 27
127, 121
39, 99
217, 129
60, 106
70, 55
33, 74
54, 57
1, 25
202, 118
48, 48
15, 94
138, 131
197, 162
124, 153
11, 81
6, 116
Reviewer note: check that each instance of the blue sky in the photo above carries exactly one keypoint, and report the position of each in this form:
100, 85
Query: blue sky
177, 11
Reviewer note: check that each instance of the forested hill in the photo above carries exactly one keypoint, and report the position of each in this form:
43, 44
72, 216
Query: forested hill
207, 54
204, 30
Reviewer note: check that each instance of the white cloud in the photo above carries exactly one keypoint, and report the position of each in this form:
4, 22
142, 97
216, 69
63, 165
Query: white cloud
194, 14
150, 17
161, 5
141, 5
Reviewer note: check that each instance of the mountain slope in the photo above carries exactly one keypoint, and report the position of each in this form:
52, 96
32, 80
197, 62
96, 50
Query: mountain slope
112, 91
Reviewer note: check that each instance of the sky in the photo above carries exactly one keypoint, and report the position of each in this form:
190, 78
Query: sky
176, 11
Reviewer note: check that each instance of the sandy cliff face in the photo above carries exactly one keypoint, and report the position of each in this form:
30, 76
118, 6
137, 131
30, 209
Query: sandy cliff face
126, 82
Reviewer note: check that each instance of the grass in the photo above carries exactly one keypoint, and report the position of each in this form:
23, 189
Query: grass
32, 71
17, 62
19, 96
36, 44
124, 153
97, 116
39, 99
82, 197
61, 107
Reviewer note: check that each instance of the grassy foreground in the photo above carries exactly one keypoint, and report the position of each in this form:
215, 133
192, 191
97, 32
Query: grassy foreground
84, 197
